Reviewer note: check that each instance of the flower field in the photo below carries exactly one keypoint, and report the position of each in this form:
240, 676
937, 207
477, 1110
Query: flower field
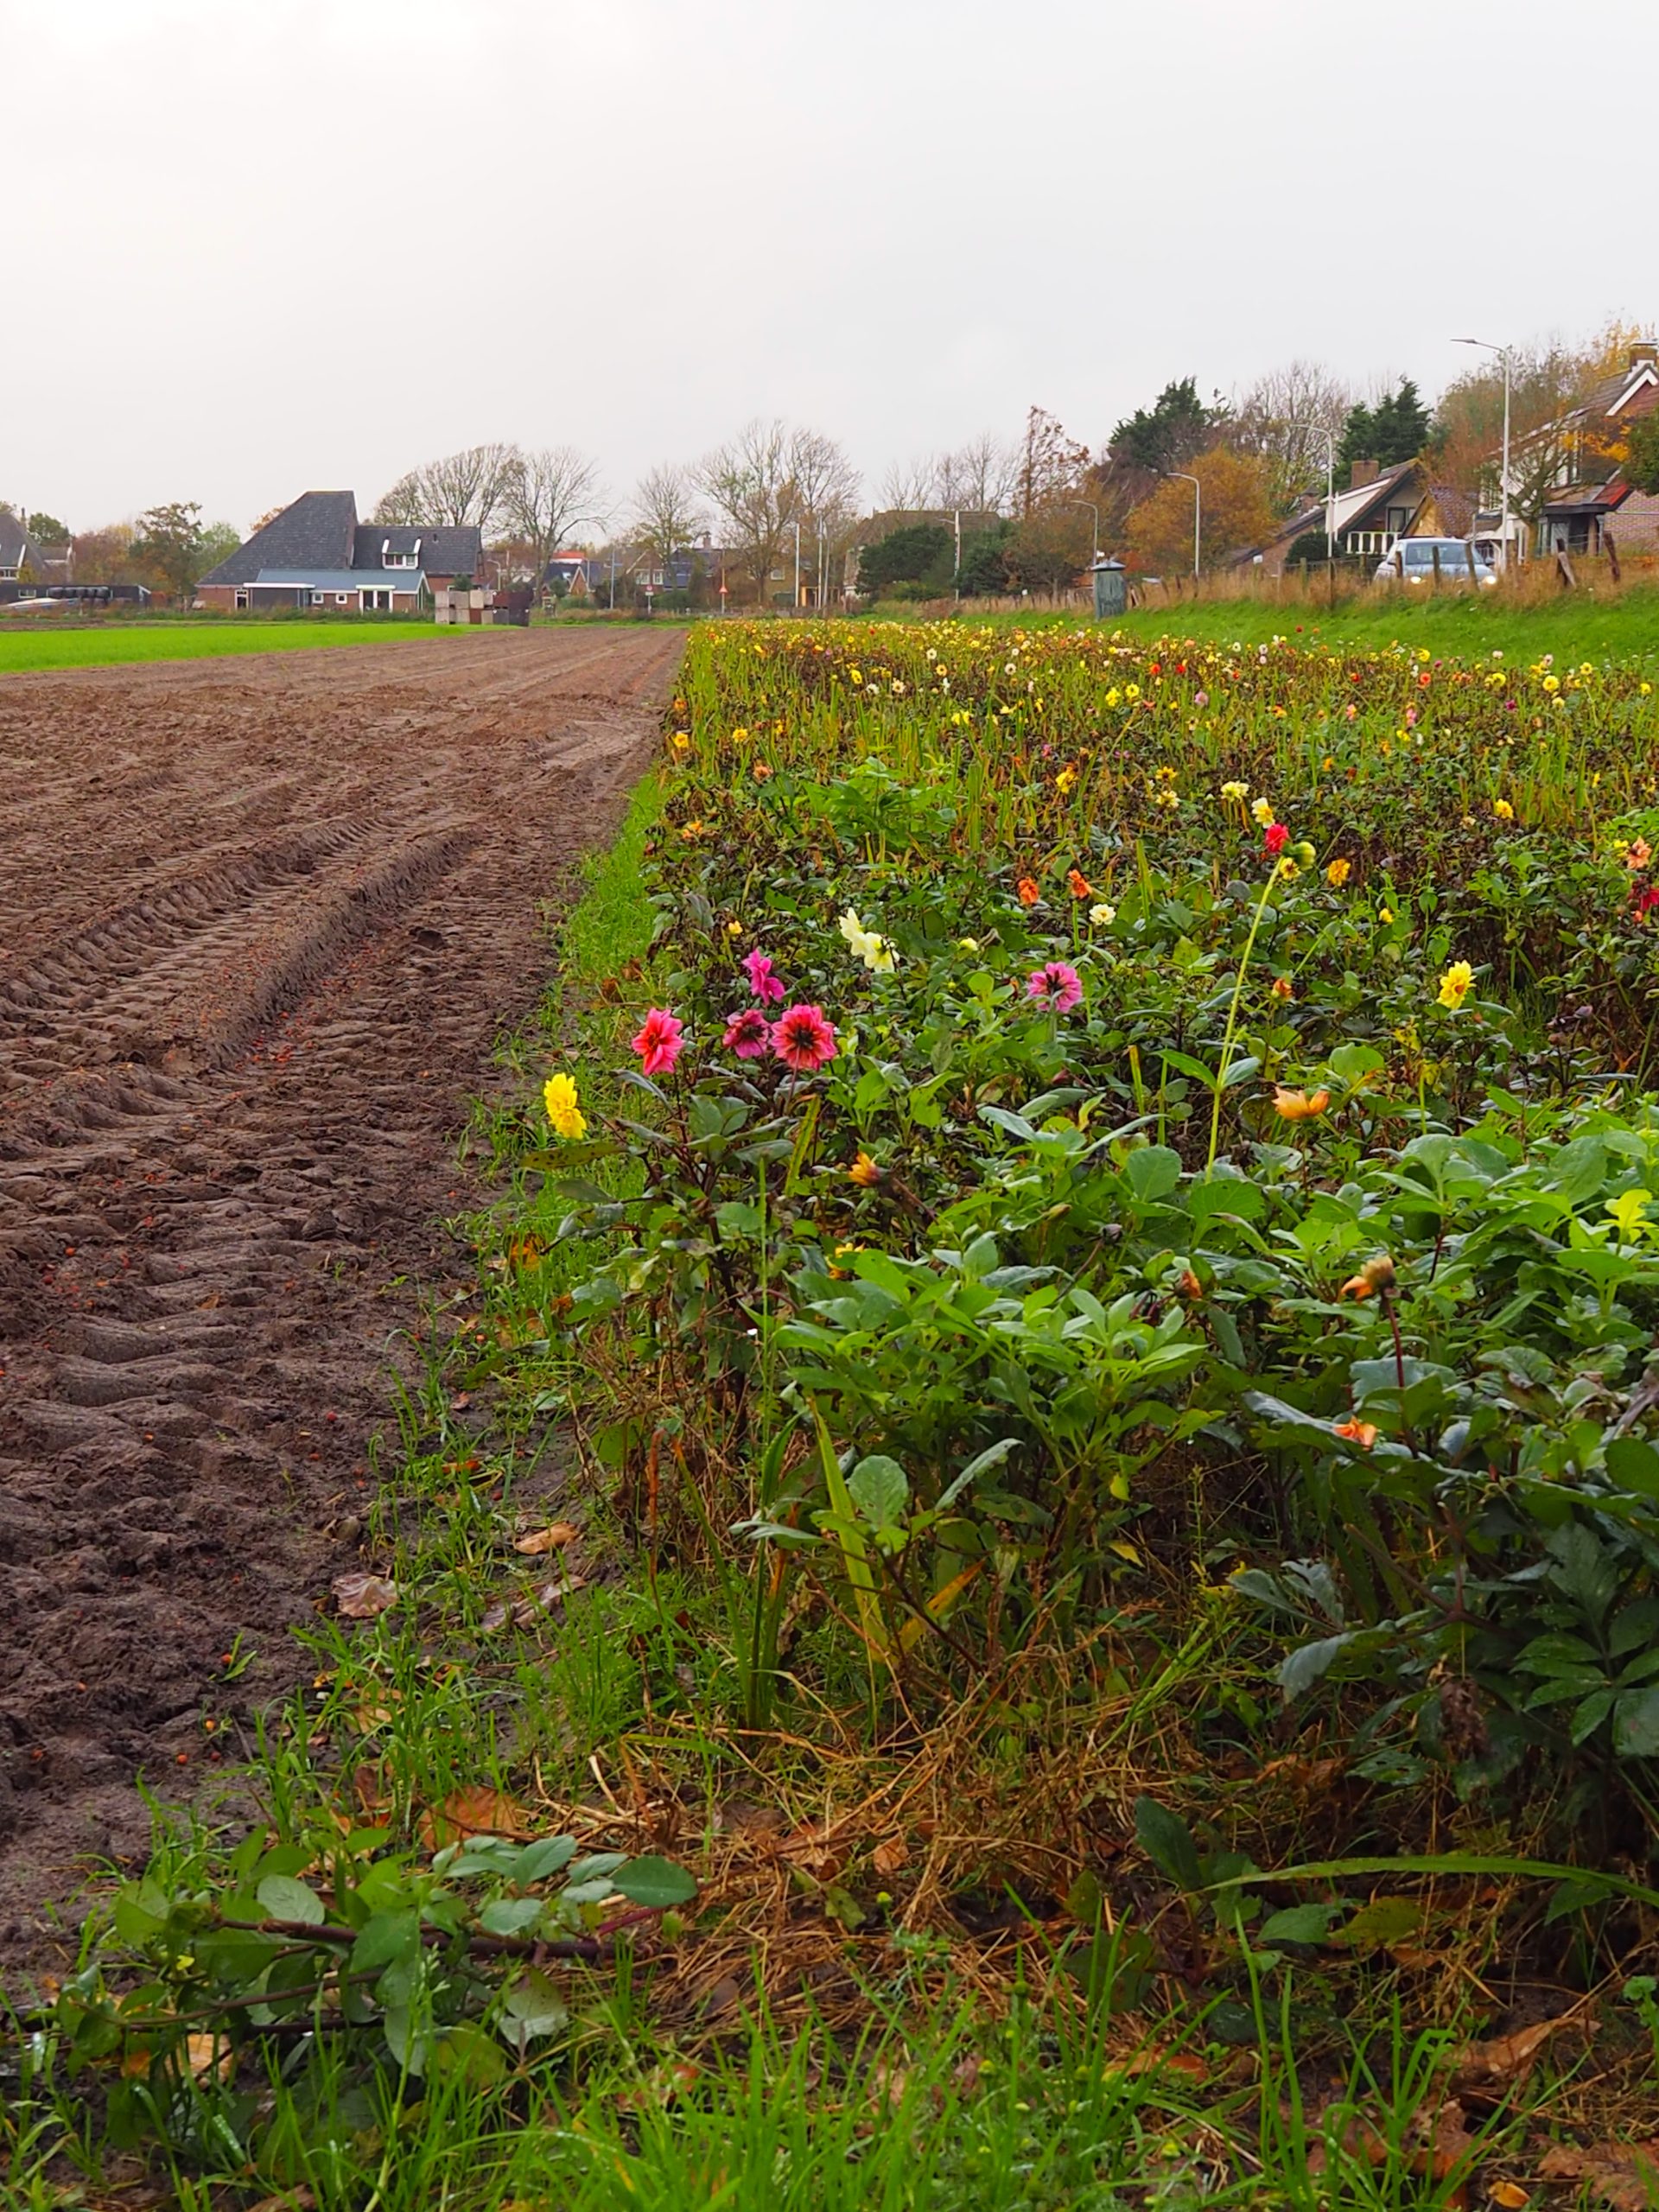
1091, 1207
1160, 1125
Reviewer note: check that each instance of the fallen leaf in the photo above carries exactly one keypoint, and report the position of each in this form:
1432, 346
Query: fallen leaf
1509, 2195
496, 1617
887, 1858
474, 1812
1503, 2058
1624, 2176
556, 1592
550, 1539
364, 1596
209, 2055
1166, 2062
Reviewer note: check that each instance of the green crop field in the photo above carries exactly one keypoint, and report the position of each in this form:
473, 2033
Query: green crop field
108, 647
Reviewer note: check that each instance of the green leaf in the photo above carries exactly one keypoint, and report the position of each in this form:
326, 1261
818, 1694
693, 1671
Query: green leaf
1153, 1170
596, 1866
1634, 1465
1167, 1841
1635, 1724
532, 2006
656, 1883
285, 1898
877, 1487
511, 1916
1301, 1924
387, 1936
538, 1860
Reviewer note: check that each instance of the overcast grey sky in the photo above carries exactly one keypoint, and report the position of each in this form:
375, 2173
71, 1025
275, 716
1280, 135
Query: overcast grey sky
248, 249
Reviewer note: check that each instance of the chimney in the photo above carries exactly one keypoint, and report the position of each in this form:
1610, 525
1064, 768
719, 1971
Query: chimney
1361, 472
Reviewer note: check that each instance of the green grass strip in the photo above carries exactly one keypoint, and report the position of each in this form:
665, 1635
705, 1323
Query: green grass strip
121, 643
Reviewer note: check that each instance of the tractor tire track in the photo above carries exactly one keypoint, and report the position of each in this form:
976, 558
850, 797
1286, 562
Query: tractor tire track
233, 1059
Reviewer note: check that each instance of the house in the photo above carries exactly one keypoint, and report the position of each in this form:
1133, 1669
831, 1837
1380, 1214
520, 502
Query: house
1588, 504
22, 561
1368, 514
316, 553
566, 577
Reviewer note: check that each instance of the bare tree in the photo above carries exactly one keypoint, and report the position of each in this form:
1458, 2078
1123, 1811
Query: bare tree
981, 475
1284, 420
666, 512
543, 494
768, 478
465, 488
908, 485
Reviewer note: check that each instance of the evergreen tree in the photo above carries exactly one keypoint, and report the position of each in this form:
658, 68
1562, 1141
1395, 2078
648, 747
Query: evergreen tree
1170, 432
1395, 430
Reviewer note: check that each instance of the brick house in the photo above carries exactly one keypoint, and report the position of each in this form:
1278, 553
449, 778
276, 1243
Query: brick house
1590, 505
316, 554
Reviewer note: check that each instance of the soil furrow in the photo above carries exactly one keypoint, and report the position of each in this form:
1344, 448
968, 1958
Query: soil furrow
233, 1061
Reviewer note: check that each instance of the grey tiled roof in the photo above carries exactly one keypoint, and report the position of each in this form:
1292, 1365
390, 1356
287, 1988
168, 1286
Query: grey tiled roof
445, 548
315, 532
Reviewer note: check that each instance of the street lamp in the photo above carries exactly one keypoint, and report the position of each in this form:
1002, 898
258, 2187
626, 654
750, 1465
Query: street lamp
1093, 510
1503, 355
1323, 430
1198, 511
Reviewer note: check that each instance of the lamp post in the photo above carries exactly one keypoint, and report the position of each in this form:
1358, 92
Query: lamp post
1198, 512
1090, 504
1503, 355
797, 564
1329, 437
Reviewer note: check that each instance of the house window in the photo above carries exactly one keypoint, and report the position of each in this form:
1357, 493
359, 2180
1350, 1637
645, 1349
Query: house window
398, 561
1398, 517
342, 599
318, 599
241, 599
8, 575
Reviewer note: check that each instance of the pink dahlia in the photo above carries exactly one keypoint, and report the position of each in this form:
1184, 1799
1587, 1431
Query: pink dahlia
763, 978
803, 1039
660, 1043
1057, 985
748, 1034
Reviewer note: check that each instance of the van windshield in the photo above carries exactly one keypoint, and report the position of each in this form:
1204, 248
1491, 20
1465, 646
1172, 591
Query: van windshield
1423, 549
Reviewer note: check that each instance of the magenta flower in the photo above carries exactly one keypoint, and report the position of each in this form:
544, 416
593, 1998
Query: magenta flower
1276, 839
803, 1039
748, 1034
1057, 985
763, 978
660, 1043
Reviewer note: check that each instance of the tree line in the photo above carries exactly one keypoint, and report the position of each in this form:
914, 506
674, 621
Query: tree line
993, 514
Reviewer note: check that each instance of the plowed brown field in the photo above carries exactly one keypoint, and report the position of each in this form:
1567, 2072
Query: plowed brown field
260, 922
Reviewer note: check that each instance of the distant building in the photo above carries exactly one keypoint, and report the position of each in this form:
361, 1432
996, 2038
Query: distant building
1592, 503
22, 560
316, 554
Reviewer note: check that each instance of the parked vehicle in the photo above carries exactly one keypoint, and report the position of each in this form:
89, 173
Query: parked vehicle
1412, 561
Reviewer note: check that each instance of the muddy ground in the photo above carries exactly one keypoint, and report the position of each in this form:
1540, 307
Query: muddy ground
261, 922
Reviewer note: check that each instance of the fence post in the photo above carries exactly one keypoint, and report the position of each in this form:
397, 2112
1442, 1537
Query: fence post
1469, 554
1610, 548
1563, 570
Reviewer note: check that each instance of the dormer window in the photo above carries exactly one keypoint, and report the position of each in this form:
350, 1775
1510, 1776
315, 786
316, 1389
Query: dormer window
391, 560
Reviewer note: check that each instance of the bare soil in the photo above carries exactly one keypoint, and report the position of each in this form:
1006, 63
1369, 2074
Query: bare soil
261, 923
